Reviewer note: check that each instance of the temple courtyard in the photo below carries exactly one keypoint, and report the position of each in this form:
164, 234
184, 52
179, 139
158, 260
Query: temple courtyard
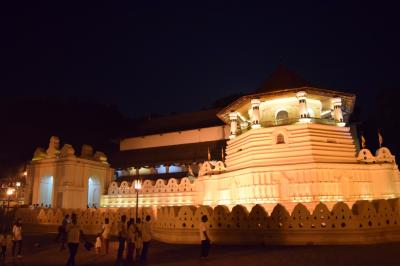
48, 253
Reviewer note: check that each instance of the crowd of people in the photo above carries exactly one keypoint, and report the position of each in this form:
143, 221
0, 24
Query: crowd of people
134, 237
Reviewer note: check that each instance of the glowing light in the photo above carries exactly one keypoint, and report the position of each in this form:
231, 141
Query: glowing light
242, 117
290, 100
18, 184
340, 124
138, 185
10, 191
325, 112
305, 120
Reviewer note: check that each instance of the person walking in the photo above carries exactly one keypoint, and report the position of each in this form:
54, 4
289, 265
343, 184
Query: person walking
130, 240
105, 234
204, 237
122, 236
3, 242
62, 233
17, 238
74, 234
146, 237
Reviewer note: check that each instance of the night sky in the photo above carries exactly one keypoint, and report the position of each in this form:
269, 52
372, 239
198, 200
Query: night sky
163, 57
67, 68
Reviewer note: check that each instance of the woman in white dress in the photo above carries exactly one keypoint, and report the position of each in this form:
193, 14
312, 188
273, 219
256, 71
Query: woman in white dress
105, 234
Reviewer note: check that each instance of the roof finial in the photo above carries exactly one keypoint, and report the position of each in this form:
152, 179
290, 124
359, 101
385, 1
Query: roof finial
380, 138
363, 142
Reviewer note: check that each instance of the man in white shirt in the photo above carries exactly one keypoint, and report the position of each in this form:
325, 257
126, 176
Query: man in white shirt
146, 237
204, 237
17, 238
74, 233
122, 236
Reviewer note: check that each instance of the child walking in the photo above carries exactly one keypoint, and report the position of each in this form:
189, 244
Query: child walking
98, 243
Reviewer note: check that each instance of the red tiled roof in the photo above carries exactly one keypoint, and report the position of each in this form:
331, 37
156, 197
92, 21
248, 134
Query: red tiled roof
283, 78
175, 122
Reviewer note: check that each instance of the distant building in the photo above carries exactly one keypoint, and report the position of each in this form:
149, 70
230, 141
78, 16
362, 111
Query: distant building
60, 179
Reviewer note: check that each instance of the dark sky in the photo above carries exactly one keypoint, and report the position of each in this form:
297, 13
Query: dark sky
166, 56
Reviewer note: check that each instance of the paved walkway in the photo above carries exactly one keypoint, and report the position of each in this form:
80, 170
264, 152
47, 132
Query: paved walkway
163, 254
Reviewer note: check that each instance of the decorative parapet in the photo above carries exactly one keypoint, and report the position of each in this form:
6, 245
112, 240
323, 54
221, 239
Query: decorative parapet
365, 222
382, 155
171, 185
153, 193
211, 168
67, 151
365, 156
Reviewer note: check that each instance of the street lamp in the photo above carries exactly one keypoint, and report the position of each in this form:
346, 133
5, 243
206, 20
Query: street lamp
10, 191
17, 184
138, 187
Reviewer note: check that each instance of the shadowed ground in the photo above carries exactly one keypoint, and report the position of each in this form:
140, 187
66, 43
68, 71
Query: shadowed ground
164, 254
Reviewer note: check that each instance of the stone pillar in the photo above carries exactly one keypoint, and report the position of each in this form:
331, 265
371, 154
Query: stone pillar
337, 111
303, 112
255, 116
153, 170
183, 167
167, 168
233, 118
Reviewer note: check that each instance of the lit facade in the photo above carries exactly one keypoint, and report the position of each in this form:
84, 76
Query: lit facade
284, 146
281, 145
60, 179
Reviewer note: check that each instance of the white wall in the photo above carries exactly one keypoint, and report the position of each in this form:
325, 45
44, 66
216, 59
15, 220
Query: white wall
94, 191
46, 190
70, 180
176, 138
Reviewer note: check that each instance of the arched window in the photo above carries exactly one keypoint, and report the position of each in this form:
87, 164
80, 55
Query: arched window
280, 139
282, 117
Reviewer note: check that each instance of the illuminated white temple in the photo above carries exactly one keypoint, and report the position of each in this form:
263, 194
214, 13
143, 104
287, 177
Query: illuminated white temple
280, 166
287, 143
284, 144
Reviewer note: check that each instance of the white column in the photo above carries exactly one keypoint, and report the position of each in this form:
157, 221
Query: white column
255, 115
233, 118
303, 112
337, 111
